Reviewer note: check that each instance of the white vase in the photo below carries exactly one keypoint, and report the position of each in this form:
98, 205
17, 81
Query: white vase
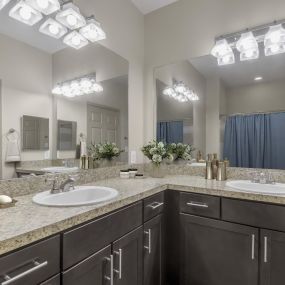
156, 171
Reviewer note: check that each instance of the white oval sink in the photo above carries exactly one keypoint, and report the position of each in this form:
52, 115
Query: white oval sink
59, 169
80, 196
248, 186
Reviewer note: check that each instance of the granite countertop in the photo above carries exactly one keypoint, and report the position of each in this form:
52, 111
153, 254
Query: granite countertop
27, 222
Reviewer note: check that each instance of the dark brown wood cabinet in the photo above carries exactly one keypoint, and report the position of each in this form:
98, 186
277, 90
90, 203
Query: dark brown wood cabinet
272, 257
218, 253
95, 270
153, 251
128, 259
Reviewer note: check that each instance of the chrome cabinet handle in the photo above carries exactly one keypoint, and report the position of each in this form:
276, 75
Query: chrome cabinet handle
155, 205
111, 277
197, 204
120, 254
148, 247
252, 247
37, 266
265, 249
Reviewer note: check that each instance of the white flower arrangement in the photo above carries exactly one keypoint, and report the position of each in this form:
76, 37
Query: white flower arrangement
181, 151
155, 151
104, 151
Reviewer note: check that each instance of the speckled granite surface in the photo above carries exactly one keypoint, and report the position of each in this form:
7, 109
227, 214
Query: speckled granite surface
28, 222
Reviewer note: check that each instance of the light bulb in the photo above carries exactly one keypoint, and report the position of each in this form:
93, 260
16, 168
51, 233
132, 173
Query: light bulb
53, 29
274, 48
249, 53
25, 13
71, 20
43, 3
76, 40
85, 83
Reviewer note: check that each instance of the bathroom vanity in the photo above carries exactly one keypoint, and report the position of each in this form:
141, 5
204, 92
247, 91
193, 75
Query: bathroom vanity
169, 232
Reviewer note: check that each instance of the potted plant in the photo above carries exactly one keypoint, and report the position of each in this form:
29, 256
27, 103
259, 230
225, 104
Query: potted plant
180, 152
156, 152
104, 152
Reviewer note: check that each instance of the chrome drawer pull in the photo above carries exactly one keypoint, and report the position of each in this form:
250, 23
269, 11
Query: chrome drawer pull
119, 253
148, 233
111, 277
37, 266
252, 247
265, 249
196, 204
155, 205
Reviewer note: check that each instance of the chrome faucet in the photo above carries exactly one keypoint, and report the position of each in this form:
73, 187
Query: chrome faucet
262, 178
65, 186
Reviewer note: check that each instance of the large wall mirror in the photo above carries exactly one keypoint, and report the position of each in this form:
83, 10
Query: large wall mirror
42, 129
240, 114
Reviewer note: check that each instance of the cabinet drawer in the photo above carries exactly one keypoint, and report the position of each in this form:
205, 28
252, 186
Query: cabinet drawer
153, 206
53, 281
200, 205
254, 214
31, 265
84, 241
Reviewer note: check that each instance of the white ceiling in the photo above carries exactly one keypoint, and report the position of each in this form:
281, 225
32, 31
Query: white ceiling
147, 6
242, 73
27, 34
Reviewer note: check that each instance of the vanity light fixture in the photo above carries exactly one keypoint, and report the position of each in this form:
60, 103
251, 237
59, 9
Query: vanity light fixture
274, 40
258, 78
247, 45
71, 17
3, 3
46, 7
180, 92
93, 30
53, 29
223, 52
25, 13
78, 87
75, 40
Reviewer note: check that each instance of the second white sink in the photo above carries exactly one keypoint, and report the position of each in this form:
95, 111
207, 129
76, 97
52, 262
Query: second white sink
80, 196
248, 186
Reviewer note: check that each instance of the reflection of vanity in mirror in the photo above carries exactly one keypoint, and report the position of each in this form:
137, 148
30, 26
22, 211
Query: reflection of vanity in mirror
48, 127
240, 113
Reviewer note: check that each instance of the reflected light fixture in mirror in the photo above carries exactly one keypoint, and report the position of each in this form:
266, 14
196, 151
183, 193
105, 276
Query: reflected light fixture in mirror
75, 40
71, 17
223, 52
46, 7
53, 29
78, 87
25, 13
180, 92
274, 41
248, 47
93, 30
258, 78
3, 3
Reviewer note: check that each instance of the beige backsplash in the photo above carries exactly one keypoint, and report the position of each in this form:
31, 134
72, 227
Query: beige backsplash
29, 185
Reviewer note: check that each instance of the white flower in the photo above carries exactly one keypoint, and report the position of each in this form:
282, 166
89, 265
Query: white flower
157, 158
101, 149
179, 144
153, 150
173, 145
161, 145
115, 150
186, 156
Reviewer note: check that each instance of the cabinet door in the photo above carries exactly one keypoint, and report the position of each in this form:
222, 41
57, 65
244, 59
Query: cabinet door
95, 270
153, 261
128, 258
218, 253
272, 258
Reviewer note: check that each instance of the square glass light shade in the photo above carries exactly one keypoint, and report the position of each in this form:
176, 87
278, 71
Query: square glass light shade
274, 40
53, 29
75, 40
46, 7
248, 47
3, 3
93, 31
25, 13
226, 59
221, 48
70, 17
